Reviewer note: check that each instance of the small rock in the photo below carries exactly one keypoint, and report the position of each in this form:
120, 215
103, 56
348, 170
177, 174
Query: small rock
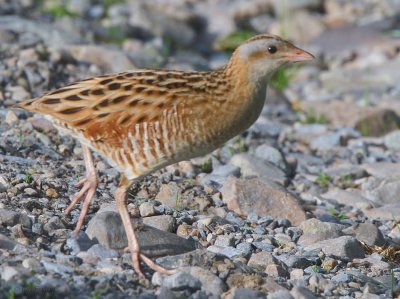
146, 209
296, 274
6, 243
342, 247
229, 251
210, 283
11, 117
11, 218
102, 252
302, 293
281, 294
224, 241
342, 277
252, 166
315, 230
168, 194
31, 264
270, 154
161, 222
56, 267
4, 185
275, 270
245, 293
109, 231
54, 223
181, 281
227, 170
9, 273
392, 140
260, 260
245, 196
368, 233
80, 243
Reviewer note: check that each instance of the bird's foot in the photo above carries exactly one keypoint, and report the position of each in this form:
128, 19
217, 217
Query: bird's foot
89, 185
137, 256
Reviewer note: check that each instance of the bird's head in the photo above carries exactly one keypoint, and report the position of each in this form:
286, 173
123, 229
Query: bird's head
264, 54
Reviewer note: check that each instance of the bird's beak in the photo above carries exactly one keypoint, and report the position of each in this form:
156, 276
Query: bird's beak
297, 54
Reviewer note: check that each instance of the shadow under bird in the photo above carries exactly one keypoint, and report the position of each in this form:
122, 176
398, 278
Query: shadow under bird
140, 121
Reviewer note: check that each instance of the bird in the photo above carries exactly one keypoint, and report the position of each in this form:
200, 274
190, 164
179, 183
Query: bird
140, 121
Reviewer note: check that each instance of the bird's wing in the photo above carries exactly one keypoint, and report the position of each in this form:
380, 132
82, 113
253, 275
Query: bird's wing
103, 107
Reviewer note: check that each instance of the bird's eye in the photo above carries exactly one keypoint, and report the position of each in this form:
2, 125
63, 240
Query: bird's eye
272, 49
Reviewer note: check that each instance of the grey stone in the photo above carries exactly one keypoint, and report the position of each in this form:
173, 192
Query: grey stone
37, 228
181, 281
342, 277
260, 260
6, 243
210, 283
79, 243
4, 185
9, 273
224, 241
228, 251
245, 293
392, 140
295, 261
161, 222
382, 169
270, 154
352, 197
168, 194
102, 252
368, 233
109, 231
11, 218
315, 230
56, 267
199, 257
244, 248
227, 170
280, 294
302, 293
54, 223
146, 209
342, 247
252, 166
245, 196
264, 246
381, 191
325, 142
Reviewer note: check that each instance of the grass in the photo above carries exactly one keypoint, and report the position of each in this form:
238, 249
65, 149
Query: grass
313, 118
58, 10
336, 214
114, 35
323, 180
283, 76
11, 294
206, 166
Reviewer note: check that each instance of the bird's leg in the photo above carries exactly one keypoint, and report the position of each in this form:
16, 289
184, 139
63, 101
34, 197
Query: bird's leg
133, 244
89, 185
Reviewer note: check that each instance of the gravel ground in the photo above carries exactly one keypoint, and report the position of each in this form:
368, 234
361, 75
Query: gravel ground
298, 206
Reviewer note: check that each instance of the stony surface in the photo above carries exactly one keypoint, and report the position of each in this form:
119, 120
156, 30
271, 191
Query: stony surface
277, 212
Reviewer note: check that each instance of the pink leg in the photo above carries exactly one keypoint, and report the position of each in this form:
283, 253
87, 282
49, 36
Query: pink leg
89, 188
133, 244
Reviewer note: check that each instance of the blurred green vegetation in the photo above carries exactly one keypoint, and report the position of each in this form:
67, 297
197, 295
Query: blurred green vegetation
313, 118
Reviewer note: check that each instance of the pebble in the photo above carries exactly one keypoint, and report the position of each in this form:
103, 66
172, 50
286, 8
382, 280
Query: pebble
245, 196
343, 247
181, 281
